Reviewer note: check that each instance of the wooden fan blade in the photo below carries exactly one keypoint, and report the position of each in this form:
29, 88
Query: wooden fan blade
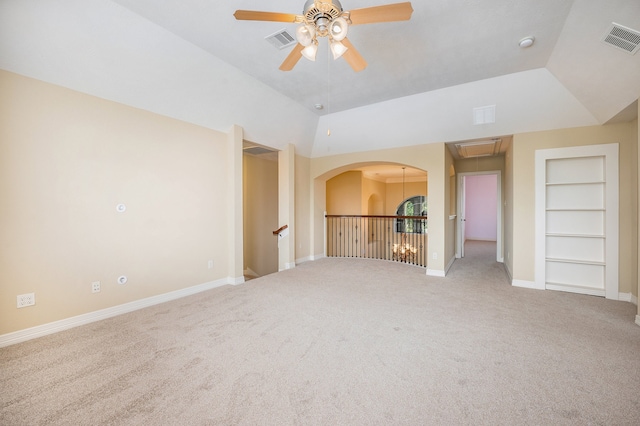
293, 58
353, 57
253, 15
385, 13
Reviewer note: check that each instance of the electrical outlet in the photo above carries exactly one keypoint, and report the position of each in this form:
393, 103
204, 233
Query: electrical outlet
435, 255
27, 299
95, 287
210, 264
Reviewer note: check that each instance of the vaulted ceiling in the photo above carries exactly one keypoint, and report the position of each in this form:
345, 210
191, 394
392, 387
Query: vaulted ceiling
190, 59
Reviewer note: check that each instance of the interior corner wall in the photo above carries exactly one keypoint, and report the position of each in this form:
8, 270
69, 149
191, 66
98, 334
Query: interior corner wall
66, 160
373, 197
523, 203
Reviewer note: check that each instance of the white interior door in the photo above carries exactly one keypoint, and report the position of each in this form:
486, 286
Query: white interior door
577, 220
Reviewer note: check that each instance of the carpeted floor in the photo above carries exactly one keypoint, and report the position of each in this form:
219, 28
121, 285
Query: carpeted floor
341, 341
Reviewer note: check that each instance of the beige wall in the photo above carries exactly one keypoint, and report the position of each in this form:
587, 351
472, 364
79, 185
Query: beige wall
523, 206
66, 160
302, 210
396, 194
374, 197
260, 195
344, 194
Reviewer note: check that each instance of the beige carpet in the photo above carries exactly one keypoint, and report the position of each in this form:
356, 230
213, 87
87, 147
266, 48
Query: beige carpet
341, 341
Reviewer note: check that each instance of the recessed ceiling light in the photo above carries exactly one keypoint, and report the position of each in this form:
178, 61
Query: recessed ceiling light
318, 106
526, 42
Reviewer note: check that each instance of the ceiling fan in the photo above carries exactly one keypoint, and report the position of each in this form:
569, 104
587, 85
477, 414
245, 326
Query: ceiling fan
326, 18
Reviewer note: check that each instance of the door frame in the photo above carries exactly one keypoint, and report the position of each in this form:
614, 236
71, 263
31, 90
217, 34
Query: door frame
461, 214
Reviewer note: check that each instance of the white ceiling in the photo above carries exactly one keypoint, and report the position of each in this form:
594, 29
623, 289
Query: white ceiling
191, 59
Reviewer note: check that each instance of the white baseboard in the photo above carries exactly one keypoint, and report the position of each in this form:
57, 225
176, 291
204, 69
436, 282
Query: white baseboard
304, 259
526, 284
628, 297
235, 281
67, 323
435, 272
638, 319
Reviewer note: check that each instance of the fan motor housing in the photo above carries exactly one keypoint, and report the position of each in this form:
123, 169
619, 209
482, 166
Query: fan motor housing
321, 13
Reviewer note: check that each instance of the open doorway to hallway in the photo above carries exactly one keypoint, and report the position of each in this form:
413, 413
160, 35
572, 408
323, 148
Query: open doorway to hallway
260, 210
479, 210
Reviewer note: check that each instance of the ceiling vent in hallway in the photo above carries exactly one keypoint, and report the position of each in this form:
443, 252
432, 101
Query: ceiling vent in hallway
281, 39
622, 38
256, 150
487, 148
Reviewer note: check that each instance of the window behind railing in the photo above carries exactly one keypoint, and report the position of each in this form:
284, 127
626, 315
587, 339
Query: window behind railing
414, 206
378, 237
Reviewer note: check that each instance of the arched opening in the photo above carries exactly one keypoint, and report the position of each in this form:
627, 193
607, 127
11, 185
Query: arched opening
362, 213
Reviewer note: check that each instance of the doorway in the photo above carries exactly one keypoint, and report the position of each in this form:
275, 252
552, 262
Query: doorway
260, 210
479, 210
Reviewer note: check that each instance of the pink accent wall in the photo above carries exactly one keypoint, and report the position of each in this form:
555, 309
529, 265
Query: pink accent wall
481, 197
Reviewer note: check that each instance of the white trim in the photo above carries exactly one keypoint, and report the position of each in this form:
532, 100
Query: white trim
628, 297
638, 319
576, 289
610, 152
526, 284
318, 256
235, 281
435, 272
67, 323
304, 259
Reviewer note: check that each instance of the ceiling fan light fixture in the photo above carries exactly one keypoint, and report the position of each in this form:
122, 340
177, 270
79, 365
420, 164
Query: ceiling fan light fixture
306, 34
338, 49
310, 51
338, 28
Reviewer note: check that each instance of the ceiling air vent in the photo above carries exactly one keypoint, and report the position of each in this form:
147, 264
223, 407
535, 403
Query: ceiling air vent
622, 38
281, 39
487, 148
256, 150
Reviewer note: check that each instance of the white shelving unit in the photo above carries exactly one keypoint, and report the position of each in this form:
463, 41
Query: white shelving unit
574, 222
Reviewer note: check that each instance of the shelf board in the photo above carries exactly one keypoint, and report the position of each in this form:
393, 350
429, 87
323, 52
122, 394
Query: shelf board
575, 261
574, 183
575, 210
575, 235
